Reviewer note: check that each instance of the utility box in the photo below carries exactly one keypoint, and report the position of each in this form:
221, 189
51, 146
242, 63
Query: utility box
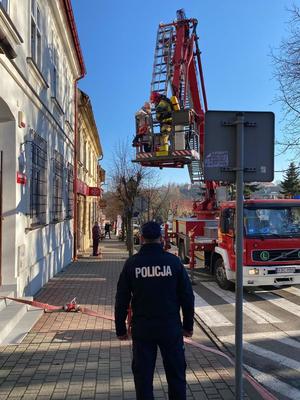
181, 117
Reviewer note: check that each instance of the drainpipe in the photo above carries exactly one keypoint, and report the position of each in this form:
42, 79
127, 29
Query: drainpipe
70, 16
75, 216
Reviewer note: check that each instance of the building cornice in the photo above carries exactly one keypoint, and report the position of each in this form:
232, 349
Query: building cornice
72, 24
89, 119
66, 36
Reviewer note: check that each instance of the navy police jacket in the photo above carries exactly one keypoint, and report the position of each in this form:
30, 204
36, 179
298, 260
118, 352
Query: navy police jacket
157, 285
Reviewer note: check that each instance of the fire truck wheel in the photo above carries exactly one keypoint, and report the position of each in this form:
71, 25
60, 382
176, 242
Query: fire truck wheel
220, 275
181, 253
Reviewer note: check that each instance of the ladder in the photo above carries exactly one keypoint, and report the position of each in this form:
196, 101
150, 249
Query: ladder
164, 49
196, 171
195, 168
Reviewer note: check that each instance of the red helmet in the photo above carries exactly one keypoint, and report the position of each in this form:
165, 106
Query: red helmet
155, 97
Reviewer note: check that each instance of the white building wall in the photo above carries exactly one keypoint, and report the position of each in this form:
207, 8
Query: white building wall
32, 255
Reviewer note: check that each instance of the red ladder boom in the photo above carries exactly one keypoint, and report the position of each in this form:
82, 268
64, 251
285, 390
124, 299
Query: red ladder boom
177, 71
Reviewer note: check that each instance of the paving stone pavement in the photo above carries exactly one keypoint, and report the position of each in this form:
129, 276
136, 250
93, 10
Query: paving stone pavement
75, 356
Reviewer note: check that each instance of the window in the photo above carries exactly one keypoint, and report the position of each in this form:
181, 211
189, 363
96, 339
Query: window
70, 191
275, 221
55, 78
4, 4
36, 36
85, 155
89, 167
38, 184
57, 186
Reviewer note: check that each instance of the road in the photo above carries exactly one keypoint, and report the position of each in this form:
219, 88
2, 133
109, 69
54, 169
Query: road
271, 331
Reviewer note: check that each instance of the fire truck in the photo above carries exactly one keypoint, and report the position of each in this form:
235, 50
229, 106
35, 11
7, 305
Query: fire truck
271, 254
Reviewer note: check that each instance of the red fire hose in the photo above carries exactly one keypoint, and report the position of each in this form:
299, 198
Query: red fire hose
72, 306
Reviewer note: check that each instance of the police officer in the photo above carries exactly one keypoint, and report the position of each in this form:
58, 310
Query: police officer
157, 285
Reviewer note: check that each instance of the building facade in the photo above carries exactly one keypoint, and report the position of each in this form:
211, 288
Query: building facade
40, 63
90, 175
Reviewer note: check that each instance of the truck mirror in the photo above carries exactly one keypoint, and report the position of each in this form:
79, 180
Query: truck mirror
225, 221
225, 225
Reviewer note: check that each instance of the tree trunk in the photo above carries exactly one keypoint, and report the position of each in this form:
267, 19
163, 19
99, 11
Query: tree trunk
123, 228
129, 235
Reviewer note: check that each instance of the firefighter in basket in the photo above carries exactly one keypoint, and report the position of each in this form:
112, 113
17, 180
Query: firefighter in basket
143, 128
164, 108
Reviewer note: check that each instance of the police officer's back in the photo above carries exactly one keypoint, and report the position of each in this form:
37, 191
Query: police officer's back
157, 285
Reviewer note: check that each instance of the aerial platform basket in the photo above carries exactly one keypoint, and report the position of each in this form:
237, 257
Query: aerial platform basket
180, 149
167, 159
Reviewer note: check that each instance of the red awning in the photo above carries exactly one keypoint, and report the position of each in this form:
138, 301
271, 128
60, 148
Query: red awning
85, 190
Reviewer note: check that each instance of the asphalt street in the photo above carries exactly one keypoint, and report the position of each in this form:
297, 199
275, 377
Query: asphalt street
271, 331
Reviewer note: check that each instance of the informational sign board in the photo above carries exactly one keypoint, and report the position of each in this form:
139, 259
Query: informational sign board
220, 154
94, 191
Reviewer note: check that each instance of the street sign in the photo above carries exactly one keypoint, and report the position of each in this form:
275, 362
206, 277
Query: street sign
94, 191
21, 178
239, 147
220, 154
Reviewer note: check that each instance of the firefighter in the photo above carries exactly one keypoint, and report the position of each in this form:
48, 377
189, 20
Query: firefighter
157, 286
143, 127
163, 109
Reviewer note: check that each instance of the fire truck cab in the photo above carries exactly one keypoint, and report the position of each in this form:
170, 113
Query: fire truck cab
271, 244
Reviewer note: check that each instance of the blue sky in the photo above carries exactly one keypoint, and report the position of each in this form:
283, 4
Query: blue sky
118, 37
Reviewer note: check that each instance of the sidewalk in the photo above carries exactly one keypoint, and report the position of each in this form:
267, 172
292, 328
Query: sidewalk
75, 356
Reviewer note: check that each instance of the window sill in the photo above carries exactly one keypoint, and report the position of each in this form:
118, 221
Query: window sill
68, 123
57, 104
9, 28
56, 221
34, 227
36, 71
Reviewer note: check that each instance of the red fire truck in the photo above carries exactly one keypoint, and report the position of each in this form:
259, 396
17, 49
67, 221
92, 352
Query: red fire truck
271, 227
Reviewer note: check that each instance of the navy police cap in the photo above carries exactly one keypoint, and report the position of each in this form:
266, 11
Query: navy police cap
151, 230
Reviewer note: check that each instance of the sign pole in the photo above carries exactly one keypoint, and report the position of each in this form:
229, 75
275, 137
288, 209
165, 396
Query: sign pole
239, 256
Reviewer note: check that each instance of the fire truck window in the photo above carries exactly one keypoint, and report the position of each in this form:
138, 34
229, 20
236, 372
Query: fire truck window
272, 221
252, 221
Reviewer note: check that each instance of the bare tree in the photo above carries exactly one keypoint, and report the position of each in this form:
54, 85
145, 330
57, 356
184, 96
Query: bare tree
287, 73
155, 199
126, 180
114, 206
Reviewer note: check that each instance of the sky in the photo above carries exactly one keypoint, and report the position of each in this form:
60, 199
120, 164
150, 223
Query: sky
235, 37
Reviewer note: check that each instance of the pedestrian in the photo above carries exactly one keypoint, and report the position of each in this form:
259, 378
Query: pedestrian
157, 286
107, 227
96, 235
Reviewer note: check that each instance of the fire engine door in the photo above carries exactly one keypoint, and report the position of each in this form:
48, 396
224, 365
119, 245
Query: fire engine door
228, 234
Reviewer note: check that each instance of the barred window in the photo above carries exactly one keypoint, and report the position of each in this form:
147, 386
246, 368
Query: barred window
57, 186
38, 184
70, 191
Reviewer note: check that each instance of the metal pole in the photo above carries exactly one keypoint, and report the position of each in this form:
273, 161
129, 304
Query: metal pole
192, 257
239, 257
1, 210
